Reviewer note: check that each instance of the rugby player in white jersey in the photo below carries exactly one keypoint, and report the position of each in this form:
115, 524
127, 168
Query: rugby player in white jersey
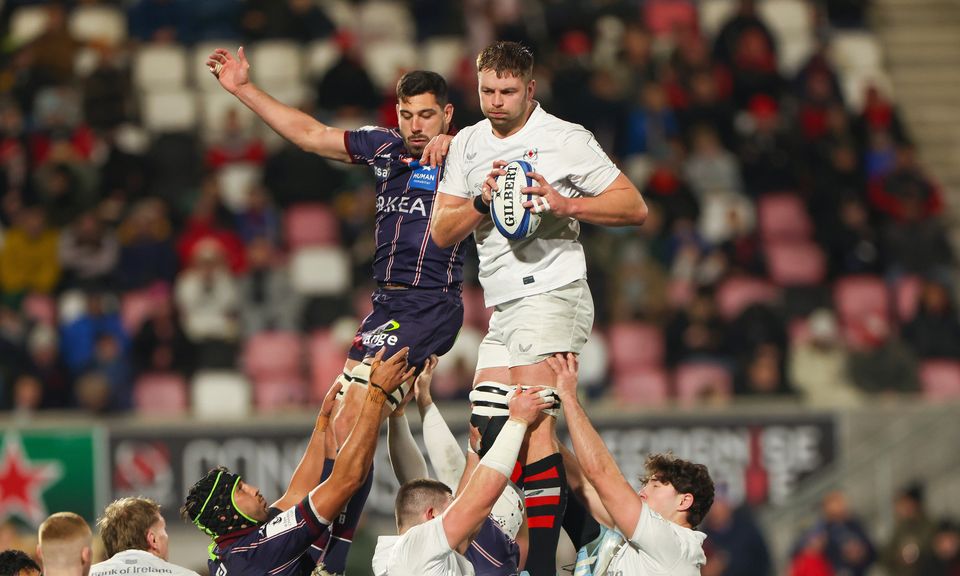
537, 286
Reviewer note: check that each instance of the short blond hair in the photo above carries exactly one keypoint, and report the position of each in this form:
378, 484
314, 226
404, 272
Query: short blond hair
62, 537
125, 523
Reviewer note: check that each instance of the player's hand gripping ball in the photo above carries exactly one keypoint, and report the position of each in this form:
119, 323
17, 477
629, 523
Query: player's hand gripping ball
506, 206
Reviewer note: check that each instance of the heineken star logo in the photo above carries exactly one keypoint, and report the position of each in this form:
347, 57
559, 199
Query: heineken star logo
23, 482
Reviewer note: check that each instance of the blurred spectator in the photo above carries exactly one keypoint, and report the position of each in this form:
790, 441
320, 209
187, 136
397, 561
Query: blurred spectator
910, 544
291, 175
906, 190
211, 221
162, 21
93, 392
209, 304
754, 69
745, 19
13, 340
735, 229
819, 368
768, 161
300, 20
651, 127
259, 219
125, 172
945, 557
269, 301
667, 189
59, 187
46, 363
161, 344
15, 161
110, 360
27, 395
235, 145
710, 168
835, 163
736, 543
437, 18
346, 89
887, 364
758, 324
213, 20
147, 253
917, 243
848, 547
847, 13
634, 67
88, 253
852, 242
762, 374
810, 558
879, 116
108, 90
819, 93
935, 331
80, 337
638, 287
697, 332
55, 48
706, 107
28, 258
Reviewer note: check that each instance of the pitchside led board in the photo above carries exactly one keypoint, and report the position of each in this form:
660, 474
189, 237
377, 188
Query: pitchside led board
758, 459
43, 471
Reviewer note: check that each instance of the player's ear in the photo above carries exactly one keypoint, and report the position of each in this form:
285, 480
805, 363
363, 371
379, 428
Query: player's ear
448, 113
686, 501
531, 88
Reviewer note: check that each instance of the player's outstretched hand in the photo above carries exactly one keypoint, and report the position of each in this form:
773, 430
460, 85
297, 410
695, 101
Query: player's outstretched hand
233, 73
526, 405
546, 198
565, 366
421, 386
391, 373
330, 399
490, 184
436, 150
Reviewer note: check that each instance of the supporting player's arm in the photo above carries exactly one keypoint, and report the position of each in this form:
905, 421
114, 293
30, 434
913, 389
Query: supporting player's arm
296, 126
405, 456
583, 489
489, 479
453, 219
600, 469
442, 448
310, 469
356, 455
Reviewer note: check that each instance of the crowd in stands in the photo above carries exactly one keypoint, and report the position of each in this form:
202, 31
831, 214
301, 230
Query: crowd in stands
795, 248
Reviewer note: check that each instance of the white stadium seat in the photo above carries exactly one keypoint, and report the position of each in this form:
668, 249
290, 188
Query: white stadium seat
854, 84
787, 18
220, 395
321, 56
237, 180
385, 61
160, 67
380, 20
98, 23
171, 111
443, 55
856, 50
714, 14
27, 23
794, 53
276, 61
320, 271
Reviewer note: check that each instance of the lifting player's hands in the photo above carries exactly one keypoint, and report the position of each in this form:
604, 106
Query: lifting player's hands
421, 386
546, 198
490, 184
526, 405
436, 150
389, 374
565, 366
330, 401
233, 73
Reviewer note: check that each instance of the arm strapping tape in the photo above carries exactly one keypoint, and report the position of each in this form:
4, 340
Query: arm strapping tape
445, 455
502, 456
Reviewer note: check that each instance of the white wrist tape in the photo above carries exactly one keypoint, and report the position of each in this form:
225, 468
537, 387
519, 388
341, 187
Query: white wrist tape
502, 456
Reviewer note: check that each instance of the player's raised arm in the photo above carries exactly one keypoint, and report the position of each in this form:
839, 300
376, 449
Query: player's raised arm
355, 457
298, 127
442, 448
598, 465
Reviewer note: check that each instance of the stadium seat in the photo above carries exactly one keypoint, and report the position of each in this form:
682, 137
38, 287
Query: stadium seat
276, 355
321, 56
237, 180
856, 50
799, 331
443, 54
662, 17
738, 292
783, 217
635, 345
320, 271
907, 290
220, 395
326, 356
41, 308
274, 394
98, 23
26, 23
855, 83
642, 387
454, 373
136, 307
160, 67
475, 313
697, 382
275, 62
787, 18
795, 263
387, 60
171, 111
595, 361
161, 394
714, 14
71, 305
794, 52
680, 292
311, 224
940, 380
856, 297
379, 20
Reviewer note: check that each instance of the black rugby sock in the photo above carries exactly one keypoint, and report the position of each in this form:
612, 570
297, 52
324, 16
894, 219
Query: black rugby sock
545, 490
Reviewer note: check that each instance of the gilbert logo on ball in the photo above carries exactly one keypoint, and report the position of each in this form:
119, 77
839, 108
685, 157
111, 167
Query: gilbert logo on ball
506, 208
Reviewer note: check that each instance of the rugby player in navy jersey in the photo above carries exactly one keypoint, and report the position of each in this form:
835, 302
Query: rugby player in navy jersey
417, 302
250, 539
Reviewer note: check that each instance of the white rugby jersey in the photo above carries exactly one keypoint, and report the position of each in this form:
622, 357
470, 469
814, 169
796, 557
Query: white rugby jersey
139, 562
422, 551
659, 547
571, 160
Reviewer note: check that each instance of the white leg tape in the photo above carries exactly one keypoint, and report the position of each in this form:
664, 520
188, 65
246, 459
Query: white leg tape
490, 399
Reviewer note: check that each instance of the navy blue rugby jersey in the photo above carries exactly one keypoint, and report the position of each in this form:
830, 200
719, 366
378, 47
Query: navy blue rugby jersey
405, 192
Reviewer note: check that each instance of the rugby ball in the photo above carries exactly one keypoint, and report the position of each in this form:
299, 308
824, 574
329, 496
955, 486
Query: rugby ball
506, 207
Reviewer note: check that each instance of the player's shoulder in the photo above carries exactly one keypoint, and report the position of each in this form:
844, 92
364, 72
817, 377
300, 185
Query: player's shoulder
379, 133
562, 130
470, 133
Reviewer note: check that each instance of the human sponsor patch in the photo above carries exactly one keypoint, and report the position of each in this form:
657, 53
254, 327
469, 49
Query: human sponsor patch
423, 177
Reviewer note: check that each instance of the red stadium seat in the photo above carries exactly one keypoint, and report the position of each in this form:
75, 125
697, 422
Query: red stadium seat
475, 312
311, 224
783, 217
161, 394
857, 298
136, 307
635, 345
799, 332
642, 387
908, 290
940, 379
273, 355
272, 394
696, 382
795, 263
326, 362
738, 292
664, 16
41, 308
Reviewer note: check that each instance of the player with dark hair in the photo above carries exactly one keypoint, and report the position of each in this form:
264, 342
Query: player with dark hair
17, 563
417, 302
659, 521
537, 286
251, 539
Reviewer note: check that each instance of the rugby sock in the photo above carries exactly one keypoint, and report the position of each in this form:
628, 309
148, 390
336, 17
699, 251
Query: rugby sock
545, 490
579, 525
341, 533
